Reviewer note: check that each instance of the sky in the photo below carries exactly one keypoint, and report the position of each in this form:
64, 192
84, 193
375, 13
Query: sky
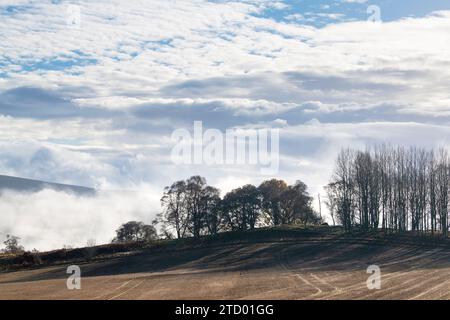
91, 92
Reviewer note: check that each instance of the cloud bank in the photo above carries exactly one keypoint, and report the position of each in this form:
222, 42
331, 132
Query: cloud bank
95, 103
50, 219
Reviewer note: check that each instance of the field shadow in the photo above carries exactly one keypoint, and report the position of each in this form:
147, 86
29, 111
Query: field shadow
335, 252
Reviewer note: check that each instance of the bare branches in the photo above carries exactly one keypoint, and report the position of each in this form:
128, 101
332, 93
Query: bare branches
392, 188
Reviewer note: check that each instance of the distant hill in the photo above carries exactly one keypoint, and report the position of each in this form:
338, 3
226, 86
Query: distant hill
8, 183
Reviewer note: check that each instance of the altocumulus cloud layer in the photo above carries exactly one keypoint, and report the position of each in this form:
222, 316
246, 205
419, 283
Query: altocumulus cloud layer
94, 101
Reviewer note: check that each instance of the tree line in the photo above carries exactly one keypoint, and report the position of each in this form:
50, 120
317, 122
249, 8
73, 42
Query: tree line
393, 188
192, 208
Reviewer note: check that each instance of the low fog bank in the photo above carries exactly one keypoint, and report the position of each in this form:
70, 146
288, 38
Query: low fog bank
50, 219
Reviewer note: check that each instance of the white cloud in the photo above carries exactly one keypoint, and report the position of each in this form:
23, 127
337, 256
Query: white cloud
135, 71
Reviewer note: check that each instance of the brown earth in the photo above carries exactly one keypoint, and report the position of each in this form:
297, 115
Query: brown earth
284, 264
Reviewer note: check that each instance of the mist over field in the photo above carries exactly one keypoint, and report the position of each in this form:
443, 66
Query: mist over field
225, 149
50, 219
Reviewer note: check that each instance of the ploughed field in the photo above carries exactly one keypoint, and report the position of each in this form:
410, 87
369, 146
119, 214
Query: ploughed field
284, 263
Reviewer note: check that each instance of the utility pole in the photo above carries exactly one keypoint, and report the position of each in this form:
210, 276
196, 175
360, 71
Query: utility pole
320, 207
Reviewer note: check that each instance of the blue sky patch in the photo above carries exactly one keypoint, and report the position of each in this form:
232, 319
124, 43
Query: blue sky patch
319, 13
11, 10
60, 63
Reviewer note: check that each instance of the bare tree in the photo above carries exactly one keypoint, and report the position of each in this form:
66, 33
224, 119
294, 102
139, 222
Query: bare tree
408, 189
443, 179
331, 202
362, 175
212, 210
12, 244
174, 213
195, 188
343, 187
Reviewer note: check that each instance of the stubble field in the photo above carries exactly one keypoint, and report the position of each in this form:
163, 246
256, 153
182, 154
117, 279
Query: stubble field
318, 265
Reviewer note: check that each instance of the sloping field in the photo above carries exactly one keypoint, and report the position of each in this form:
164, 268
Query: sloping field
282, 264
